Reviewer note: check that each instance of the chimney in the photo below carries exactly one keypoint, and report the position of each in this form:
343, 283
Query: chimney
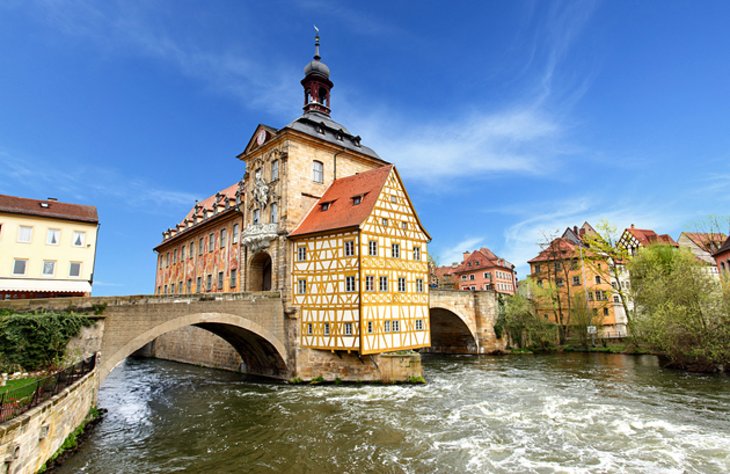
466, 254
575, 229
52, 199
632, 226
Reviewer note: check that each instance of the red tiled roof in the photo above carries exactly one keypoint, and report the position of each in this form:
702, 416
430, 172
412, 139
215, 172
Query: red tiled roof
486, 259
725, 247
707, 241
559, 248
649, 237
51, 209
207, 203
342, 213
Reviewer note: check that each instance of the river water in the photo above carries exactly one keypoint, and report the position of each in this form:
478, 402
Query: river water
554, 413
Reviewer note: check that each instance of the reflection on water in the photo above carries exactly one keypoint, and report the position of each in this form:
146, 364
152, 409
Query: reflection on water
555, 413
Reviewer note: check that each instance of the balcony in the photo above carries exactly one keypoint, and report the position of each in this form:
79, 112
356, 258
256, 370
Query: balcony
257, 237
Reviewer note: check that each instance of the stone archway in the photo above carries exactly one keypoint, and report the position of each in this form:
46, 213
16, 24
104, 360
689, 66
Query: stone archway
259, 272
263, 354
450, 334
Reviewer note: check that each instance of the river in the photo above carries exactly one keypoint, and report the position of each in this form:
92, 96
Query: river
553, 413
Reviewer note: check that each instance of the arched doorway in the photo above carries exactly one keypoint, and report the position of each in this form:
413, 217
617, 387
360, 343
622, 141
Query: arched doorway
259, 272
449, 333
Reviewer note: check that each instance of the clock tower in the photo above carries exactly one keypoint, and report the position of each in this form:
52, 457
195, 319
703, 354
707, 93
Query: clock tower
317, 83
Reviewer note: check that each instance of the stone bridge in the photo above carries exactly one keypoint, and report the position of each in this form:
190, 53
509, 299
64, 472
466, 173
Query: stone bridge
261, 330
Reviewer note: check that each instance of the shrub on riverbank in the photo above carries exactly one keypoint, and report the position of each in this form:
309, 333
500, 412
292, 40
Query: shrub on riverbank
681, 310
36, 341
524, 328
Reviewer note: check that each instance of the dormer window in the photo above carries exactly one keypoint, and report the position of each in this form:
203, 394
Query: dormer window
356, 200
325, 206
44, 205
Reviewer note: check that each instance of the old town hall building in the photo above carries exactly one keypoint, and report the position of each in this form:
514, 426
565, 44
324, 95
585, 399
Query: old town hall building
320, 218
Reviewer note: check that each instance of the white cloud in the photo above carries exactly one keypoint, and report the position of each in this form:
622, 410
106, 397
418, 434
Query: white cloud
88, 183
454, 253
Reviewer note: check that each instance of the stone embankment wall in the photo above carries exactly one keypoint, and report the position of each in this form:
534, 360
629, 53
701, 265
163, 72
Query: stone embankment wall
29, 440
388, 368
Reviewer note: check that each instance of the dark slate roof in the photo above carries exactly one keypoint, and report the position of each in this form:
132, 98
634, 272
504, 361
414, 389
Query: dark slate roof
321, 126
48, 208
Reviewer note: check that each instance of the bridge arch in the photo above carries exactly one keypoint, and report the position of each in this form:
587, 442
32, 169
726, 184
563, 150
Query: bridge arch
262, 352
451, 332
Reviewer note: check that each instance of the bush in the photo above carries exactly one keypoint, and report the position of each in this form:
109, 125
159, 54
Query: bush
526, 330
36, 341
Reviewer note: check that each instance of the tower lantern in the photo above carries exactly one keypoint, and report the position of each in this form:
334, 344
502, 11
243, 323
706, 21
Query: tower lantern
316, 82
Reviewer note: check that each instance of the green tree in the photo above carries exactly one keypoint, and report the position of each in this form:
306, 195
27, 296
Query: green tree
681, 310
522, 324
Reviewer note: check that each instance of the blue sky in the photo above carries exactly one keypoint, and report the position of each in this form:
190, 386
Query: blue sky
507, 120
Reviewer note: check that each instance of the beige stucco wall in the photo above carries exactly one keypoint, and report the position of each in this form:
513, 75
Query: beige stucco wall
38, 249
27, 441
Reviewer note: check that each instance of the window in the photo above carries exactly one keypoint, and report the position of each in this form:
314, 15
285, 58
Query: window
386, 327
396, 325
223, 238
537, 268
324, 206
576, 280
590, 296
309, 329
159, 290
274, 213
471, 277
384, 222
419, 285
189, 286
234, 278
192, 249
200, 247
19, 266
182, 253
356, 200
211, 242
539, 283
220, 281
49, 267
395, 250
419, 324
54, 237
198, 284
167, 259
463, 277
348, 329
614, 285
369, 283
401, 284
558, 266
274, 170
318, 172
384, 283
174, 256
605, 311
326, 329
349, 283
487, 275
209, 282
74, 269
162, 262
302, 286
349, 248
370, 327
598, 279
179, 288
598, 296
25, 234
373, 248
235, 233
257, 174
79, 238
393, 199
559, 282
616, 299
416, 253
165, 289
256, 216
301, 253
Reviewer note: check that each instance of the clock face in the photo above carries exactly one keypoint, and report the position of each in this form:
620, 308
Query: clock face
261, 137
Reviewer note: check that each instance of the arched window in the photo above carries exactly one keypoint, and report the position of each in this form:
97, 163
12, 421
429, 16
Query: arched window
318, 172
274, 170
274, 218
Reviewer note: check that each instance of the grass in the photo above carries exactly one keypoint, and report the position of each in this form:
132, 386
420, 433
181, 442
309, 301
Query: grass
26, 386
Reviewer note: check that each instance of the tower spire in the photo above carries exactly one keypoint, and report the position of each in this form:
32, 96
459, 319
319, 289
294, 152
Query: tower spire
316, 82
317, 57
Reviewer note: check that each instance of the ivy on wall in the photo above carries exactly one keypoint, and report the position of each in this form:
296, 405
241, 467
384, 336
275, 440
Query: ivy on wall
36, 341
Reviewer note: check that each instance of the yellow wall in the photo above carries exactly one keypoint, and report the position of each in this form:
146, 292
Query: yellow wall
39, 250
